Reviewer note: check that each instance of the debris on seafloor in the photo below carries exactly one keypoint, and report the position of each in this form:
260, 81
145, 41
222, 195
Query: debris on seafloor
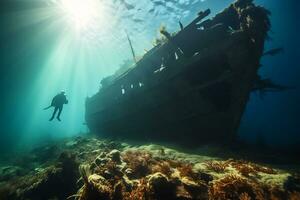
99, 169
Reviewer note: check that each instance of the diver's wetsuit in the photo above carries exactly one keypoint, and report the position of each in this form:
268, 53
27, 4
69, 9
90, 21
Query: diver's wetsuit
58, 102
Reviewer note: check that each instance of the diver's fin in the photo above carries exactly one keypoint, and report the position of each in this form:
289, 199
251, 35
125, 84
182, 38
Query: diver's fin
47, 107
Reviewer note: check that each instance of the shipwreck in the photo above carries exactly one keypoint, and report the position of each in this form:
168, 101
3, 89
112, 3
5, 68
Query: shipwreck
193, 87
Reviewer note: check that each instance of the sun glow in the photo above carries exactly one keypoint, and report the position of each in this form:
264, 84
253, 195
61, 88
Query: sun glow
82, 13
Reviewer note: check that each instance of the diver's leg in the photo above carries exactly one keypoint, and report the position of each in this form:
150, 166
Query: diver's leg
54, 112
59, 112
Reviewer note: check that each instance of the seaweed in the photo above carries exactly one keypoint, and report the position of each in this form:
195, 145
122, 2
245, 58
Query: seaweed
139, 162
140, 192
244, 196
216, 166
139, 175
233, 187
246, 168
186, 170
163, 167
85, 172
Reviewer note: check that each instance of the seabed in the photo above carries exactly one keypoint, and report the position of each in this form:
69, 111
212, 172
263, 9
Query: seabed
88, 168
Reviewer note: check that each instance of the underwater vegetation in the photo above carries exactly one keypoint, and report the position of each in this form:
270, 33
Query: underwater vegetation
90, 168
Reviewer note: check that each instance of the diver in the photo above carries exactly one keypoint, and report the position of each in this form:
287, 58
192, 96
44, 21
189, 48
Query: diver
58, 102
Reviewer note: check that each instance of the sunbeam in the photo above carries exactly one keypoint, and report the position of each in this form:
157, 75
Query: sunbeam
77, 43
82, 13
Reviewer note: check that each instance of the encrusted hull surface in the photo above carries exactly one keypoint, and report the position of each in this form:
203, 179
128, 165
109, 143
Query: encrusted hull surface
191, 89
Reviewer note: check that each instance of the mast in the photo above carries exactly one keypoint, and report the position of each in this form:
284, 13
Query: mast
132, 50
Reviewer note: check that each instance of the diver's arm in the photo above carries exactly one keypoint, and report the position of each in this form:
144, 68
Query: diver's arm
66, 100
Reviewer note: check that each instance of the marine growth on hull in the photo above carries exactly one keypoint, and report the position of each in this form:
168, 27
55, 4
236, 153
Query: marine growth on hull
92, 169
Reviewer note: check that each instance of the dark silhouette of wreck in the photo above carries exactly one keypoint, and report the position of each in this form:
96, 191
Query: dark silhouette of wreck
192, 88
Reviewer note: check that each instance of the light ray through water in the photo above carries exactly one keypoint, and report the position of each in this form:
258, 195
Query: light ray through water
90, 43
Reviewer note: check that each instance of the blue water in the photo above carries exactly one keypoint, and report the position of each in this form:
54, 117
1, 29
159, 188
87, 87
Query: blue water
44, 51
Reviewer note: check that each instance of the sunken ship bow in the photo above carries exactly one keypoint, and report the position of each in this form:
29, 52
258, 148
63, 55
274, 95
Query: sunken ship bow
190, 89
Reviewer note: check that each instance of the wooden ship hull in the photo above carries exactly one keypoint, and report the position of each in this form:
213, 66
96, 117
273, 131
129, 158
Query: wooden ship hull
192, 88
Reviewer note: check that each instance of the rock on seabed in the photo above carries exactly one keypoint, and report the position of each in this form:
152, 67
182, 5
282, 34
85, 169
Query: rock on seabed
92, 168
